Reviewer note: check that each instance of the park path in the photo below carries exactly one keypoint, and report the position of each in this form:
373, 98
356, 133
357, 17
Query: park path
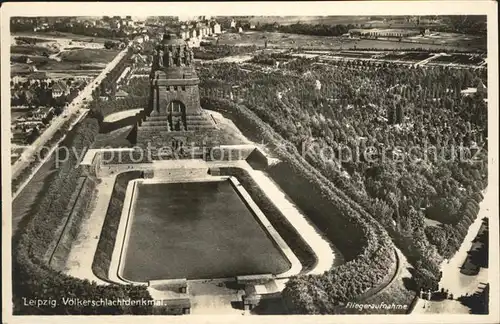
81, 257
456, 282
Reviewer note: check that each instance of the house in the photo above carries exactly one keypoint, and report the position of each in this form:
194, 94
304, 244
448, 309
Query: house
216, 29
59, 89
42, 113
193, 33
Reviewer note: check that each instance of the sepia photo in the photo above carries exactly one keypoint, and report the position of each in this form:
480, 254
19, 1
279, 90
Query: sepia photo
256, 162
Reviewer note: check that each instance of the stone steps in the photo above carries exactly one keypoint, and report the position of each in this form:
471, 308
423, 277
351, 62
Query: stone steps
180, 174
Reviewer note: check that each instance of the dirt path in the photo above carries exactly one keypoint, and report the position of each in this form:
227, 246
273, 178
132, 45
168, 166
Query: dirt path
79, 263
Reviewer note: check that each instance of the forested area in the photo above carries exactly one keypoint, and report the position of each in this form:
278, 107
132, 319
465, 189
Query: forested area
32, 277
404, 143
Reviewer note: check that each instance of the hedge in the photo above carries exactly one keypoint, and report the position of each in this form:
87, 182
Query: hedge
107, 239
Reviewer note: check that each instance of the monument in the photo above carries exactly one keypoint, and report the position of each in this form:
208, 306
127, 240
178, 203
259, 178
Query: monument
174, 115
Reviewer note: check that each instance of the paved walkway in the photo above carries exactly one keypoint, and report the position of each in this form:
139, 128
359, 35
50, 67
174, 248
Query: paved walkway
456, 282
212, 297
81, 257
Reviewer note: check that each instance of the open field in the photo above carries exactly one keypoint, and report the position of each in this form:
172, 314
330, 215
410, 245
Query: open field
17, 114
58, 35
32, 50
459, 59
204, 226
451, 39
80, 59
283, 40
89, 55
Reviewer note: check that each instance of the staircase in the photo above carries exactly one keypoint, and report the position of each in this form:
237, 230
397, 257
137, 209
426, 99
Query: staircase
156, 121
193, 121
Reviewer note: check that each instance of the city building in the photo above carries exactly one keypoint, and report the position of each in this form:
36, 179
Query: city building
59, 89
386, 33
42, 113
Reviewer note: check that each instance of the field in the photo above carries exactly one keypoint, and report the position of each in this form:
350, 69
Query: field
58, 35
32, 50
80, 59
196, 231
89, 55
284, 40
452, 39
17, 114
58, 52
459, 59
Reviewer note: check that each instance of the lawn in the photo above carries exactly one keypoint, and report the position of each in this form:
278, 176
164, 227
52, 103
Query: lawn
81, 59
197, 231
32, 50
89, 55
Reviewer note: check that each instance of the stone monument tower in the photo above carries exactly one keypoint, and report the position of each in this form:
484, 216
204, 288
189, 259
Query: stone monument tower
174, 110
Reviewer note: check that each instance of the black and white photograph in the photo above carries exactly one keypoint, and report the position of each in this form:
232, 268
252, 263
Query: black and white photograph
186, 161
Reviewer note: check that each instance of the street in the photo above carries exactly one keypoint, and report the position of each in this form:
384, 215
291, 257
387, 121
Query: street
73, 108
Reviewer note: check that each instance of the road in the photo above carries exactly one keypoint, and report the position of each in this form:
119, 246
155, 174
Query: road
73, 108
456, 282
